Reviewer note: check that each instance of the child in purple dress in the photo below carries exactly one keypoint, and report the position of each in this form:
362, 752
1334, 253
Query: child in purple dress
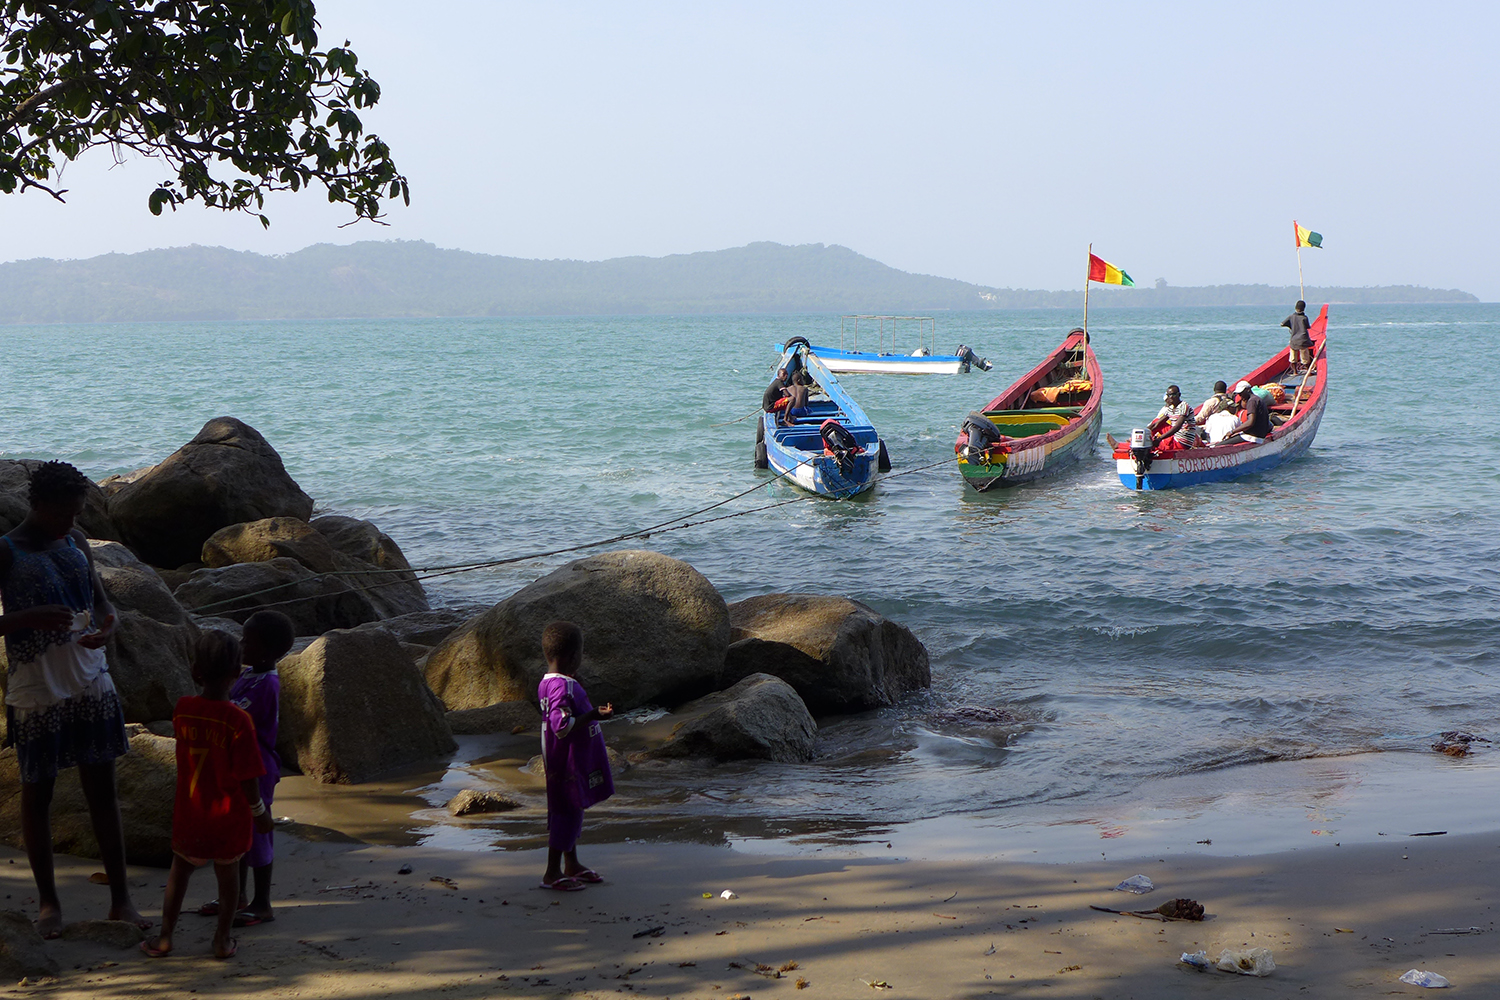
573, 754
267, 637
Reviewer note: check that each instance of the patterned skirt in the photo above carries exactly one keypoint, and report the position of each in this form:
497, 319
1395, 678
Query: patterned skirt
88, 728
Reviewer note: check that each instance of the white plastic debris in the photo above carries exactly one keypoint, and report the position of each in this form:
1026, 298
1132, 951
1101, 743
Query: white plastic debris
1250, 962
1423, 978
728, 894
1197, 959
1138, 884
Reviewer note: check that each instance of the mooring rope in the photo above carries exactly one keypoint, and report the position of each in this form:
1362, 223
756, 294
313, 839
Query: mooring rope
451, 569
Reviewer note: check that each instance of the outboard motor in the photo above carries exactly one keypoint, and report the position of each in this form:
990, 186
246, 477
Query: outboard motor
839, 445
1140, 450
982, 434
967, 357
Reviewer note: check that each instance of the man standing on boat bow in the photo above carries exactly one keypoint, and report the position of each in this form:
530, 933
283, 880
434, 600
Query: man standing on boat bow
1301, 343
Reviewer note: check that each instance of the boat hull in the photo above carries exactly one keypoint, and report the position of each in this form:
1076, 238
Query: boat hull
1027, 465
842, 362
1217, 463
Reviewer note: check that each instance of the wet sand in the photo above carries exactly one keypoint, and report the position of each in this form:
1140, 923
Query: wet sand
1342, 920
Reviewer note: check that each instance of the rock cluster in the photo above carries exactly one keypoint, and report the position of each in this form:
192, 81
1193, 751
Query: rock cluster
656, 632
380, 681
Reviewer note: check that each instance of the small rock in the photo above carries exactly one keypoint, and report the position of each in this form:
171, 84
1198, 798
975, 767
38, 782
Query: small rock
472, 800
22, 952
114, 933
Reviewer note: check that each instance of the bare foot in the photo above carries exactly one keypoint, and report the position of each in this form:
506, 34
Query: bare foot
49, 922
131, 915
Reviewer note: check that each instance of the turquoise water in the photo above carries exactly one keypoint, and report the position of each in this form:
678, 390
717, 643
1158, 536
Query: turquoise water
1344, 603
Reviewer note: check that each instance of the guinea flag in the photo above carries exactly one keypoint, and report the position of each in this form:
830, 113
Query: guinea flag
1103, 271
1306, 237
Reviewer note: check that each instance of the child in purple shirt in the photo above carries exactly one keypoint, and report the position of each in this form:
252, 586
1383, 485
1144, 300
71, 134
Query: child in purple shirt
267, 637
574, 757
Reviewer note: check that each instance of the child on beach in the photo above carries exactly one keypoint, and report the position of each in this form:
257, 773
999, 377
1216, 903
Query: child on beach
218, 805
267, 637
573, 755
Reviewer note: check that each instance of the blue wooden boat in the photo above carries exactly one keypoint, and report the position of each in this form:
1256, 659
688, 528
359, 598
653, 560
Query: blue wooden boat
1295, 423
833, 450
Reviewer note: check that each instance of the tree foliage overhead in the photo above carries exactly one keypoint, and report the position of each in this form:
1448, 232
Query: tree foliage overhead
234, 95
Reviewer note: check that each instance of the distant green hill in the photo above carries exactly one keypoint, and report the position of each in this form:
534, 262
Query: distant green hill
410, 279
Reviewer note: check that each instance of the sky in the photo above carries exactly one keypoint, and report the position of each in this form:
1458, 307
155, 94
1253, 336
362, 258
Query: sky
991, 142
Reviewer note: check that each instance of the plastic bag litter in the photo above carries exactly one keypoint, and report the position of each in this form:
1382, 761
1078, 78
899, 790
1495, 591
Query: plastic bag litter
1197, 959
1138, 884
727, 894
1420, 978
1250, 962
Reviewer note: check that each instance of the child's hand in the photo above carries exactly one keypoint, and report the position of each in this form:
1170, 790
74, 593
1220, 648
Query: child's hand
605, 711
263, 823
97, 638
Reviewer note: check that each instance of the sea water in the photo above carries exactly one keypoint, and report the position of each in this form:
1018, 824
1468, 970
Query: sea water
1088, 642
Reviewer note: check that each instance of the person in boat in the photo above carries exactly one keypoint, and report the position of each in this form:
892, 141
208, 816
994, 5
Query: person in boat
774, 398
796, 403
1174, 428
1300, 347
1219, 402
1255, 416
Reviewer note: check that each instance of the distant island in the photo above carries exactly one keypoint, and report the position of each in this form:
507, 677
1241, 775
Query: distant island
406, 279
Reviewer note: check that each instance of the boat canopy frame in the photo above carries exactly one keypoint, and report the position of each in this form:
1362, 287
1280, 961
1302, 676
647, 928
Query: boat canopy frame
926, 331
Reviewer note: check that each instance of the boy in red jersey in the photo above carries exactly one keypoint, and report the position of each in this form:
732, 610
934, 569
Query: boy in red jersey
218, 803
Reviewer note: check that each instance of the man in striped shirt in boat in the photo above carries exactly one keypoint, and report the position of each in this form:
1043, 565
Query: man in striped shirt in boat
1174, 428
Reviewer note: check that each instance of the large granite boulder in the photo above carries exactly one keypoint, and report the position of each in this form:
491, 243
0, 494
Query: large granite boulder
760, 718
314, 603
15, 501
225, 475
354, 706
389, 585
427, 628
655, 631
840, 655
147, 781
400, 592
150, 654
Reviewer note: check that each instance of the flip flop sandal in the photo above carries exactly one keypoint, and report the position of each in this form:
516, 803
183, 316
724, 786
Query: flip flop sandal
234, 949
245, 918
588, 875
209, 909
565, 884
147, 948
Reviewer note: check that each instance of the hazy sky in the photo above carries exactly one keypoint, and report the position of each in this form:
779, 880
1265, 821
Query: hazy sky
986, 141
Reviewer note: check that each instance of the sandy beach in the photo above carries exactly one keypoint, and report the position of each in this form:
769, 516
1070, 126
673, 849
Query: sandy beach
1338, 920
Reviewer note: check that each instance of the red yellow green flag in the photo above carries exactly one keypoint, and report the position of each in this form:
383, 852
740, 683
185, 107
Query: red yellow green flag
1306, 237
1103, 271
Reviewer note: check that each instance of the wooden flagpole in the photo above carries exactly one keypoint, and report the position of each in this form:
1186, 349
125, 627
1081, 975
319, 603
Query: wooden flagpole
1088, 269
1297, 238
